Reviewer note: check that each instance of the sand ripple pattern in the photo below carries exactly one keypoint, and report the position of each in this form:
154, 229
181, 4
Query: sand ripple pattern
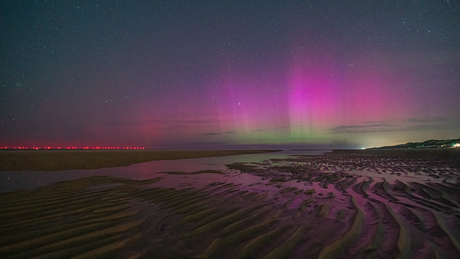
331, 206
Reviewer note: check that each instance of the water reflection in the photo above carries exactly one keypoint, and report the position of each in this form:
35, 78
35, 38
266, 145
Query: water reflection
20, 180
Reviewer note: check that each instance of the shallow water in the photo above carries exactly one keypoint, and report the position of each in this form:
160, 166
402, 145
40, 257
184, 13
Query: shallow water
22, 180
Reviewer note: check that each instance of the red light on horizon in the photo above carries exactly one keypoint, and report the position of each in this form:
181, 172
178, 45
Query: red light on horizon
73, 147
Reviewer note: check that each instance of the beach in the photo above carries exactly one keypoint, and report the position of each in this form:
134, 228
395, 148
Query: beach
58, 160
342, 204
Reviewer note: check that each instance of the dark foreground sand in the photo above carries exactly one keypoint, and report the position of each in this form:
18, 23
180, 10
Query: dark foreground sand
373, 204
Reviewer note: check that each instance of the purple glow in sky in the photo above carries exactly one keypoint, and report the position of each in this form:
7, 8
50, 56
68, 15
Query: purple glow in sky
228, 74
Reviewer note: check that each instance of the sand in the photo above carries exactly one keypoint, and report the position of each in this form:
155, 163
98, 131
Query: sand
58, 160
371, 204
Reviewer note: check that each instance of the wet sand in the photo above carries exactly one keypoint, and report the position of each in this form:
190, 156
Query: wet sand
355, 204
58, 160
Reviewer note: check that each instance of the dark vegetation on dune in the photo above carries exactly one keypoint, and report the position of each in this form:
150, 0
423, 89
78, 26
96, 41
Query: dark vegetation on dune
432, 143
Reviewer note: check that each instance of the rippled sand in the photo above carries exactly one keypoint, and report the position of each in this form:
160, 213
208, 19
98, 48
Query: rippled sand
373, 204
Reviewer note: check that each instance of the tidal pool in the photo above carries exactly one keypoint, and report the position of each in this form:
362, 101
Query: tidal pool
22, 180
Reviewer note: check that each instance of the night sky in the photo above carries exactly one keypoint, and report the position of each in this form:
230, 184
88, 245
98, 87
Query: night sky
228, 74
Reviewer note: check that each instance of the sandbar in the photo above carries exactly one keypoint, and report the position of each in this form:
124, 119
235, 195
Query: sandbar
59, 160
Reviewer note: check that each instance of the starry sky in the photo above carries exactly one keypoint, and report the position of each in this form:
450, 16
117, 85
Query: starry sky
229, 74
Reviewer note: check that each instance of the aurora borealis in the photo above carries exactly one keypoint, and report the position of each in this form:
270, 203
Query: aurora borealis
225, 74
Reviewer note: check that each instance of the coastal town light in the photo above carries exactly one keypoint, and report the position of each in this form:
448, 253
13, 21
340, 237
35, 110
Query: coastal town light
68, 147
